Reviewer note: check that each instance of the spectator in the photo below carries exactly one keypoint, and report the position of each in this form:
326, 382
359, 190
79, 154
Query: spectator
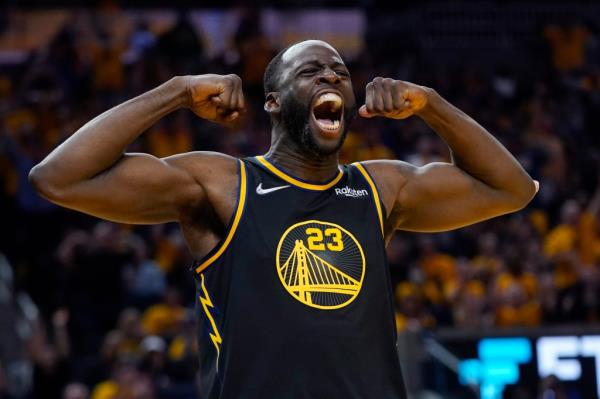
163, 318
76, 390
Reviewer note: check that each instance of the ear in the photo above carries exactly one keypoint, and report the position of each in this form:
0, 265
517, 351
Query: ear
272, 105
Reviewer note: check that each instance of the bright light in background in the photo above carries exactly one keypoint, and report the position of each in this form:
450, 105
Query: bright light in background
497, 366
517, 349
559, 356
499, 360
551, 354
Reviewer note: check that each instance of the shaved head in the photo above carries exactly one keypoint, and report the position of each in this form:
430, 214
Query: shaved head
291, 52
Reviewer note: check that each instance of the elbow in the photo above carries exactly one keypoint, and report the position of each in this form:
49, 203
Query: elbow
42, 182
522, 197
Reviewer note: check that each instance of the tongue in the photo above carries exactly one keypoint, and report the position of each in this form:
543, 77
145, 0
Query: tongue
327, 122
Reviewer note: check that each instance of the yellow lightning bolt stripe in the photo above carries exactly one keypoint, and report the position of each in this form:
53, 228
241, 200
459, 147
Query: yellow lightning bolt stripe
206, 302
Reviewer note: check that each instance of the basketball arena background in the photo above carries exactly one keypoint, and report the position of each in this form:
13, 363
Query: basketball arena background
507, 308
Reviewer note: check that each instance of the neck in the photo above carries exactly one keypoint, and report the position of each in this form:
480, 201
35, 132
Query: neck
286, 154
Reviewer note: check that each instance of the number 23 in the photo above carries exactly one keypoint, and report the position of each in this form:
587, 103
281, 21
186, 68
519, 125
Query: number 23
315, 239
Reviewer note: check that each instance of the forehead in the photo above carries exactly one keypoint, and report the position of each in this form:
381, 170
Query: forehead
310, 50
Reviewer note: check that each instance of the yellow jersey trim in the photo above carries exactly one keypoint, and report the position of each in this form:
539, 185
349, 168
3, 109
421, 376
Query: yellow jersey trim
309, 186
367, 177
234, 225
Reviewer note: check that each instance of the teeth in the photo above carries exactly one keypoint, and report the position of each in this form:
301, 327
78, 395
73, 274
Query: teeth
327, 124
334, 99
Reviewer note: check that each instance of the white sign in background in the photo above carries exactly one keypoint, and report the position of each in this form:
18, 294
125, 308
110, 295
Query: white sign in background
559, 356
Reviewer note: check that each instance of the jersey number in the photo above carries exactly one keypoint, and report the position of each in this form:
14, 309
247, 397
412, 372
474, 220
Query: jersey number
315, 239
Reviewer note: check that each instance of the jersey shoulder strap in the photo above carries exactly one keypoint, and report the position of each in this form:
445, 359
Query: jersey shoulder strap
378, 204
218, 250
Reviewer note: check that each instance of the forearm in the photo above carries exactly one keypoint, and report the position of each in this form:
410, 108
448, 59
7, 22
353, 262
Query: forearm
101, 142
475, 150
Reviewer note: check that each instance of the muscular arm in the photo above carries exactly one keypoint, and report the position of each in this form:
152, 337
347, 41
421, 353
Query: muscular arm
484, 180
91, 173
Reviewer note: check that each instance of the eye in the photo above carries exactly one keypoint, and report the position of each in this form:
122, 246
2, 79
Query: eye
343, 73
308, 71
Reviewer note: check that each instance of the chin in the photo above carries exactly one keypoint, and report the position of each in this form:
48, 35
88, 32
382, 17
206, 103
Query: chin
318, 146
331, 146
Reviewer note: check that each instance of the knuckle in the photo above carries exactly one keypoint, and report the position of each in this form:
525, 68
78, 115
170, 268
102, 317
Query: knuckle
388, 81
232, 80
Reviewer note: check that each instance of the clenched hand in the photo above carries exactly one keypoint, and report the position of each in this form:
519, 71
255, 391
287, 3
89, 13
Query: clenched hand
217, 98
394, 99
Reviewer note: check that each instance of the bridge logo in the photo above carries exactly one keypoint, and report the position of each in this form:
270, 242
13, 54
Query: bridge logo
321, 264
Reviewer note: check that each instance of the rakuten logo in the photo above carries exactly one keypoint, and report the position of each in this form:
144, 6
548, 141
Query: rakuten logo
351, 192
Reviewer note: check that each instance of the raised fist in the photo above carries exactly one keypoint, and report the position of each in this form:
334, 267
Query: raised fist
217, 98
394, 99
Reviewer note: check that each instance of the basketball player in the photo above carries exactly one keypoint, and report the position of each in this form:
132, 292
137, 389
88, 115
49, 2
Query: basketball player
293, 290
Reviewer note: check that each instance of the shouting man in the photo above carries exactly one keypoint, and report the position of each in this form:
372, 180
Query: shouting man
293, 288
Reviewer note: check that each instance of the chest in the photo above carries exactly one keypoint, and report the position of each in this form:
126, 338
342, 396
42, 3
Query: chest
323, 220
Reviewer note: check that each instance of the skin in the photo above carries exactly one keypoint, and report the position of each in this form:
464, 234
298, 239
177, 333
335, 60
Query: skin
90, 172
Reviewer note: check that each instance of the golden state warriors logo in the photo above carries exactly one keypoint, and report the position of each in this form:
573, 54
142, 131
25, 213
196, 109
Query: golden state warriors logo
320, 264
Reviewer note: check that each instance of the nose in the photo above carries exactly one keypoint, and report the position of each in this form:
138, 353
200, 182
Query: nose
329, 76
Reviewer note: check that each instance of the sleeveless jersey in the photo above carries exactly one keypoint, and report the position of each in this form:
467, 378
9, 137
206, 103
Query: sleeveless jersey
296, 302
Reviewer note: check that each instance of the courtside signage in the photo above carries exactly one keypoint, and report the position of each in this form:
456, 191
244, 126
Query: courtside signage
501, 360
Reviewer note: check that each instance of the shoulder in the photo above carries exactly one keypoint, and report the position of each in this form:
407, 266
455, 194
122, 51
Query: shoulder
204, 164
389, 168
389, 176
214, 174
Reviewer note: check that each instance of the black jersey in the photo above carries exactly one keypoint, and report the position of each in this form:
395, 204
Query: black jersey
296, 300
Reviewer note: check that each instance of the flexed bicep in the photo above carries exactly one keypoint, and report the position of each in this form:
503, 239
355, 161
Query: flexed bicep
483, 181
89, 171
440, 197
138, 188
436, 197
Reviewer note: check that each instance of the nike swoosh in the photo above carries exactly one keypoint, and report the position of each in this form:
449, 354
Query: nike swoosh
263, 191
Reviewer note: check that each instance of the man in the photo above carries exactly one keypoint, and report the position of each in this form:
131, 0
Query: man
293, 290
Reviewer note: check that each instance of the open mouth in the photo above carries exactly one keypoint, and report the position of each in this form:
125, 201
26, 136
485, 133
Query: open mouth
327, 112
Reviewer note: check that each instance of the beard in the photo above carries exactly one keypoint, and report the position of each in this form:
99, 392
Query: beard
295, 119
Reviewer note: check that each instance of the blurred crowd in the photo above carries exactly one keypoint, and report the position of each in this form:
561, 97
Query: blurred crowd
91, 309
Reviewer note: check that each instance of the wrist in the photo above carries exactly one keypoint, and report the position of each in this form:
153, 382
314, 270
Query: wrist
433, 100
180, 88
